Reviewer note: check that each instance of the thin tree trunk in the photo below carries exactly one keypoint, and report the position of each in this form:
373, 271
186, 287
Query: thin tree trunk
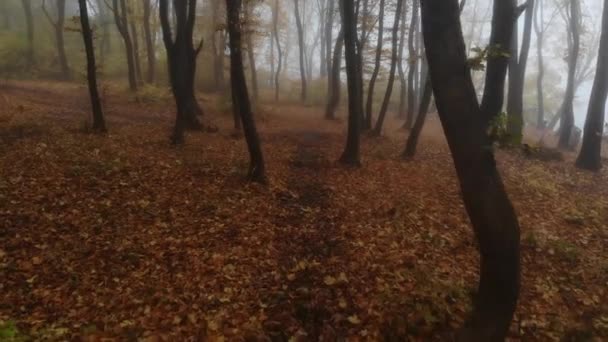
301, 48
329, 25
239, 87
121, 19
151, 73
486, 201
568, 110
322, 53
29, 23
251, 52
413, 60
105, 45
590, 156
99, 124
402, 80
136, 54
367, 123
59, 38
540, 34
391, 76
275, 29
333, 90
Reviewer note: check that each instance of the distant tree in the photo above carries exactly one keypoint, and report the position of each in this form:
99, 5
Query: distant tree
333, 86
567, 111
122, 23
249, 35
29, 23
517, 72
239, 87
218, 45
132, 8
275, 32
589, 157
150, 49
329, 26
105, 44
402, 78
181, 58
488, 206
300, 30
59, 41
367, 123
391, 74
413, 61
539, 30
99, 124
350, 156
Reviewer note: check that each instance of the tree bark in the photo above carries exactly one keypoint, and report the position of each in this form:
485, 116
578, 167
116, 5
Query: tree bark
181, 57
301, 48
367, 123
151, 58
121, 19
99, 124
251, 51
350, 156
29, 23
239, 87
333, 90
590, 157
413, 60
567, 107
540, 34
275, 30
391, 76
486, 201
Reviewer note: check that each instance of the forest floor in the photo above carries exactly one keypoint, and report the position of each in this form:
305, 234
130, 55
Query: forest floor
123, 236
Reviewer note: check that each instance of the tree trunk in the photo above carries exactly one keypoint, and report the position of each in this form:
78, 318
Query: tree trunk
329, 25
301, 48
333, 89
239, 87
350, 156
121, 19
567, 106
391, 76
105, 45
590, 157
413, 60
487, 204
517, 76
540, 34
367, 123
99, 124
151, 73
275, 30
322, 53
59, 38
181, 57
29, 22
425, 101
136, 54
402, 80
251, 51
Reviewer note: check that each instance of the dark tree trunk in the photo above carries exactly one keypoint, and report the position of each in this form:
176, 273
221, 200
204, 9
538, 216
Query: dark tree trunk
181, 57
121, 19
517, 76
333, 89
567, 107
486, 201
239, 87
540, 34
59, 39
251, 51
367, 123
413, 60
151, 73
503, 22
425, 101
589, 157
275, 30
301, 48
402, 79
360, 44
350, 156
99, 124
29, 22
218, 51
391, 76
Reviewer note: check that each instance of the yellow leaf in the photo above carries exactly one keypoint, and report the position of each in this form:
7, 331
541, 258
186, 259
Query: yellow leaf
354, 319
329, 280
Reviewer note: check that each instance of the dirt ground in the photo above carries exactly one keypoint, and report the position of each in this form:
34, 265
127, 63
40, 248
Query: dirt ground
125, 237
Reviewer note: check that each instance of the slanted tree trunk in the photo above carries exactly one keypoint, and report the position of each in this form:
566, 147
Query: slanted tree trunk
350, 156
301, 48
151, 58
413, 60
275, 30
402, 79
589, 157
333, 89
181, 57
251, 50
239, 88
99, 124
486, 201
567, 106
367, 123
391, 75
59, 41
540, 34
29, 23
122, 23
517, 76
